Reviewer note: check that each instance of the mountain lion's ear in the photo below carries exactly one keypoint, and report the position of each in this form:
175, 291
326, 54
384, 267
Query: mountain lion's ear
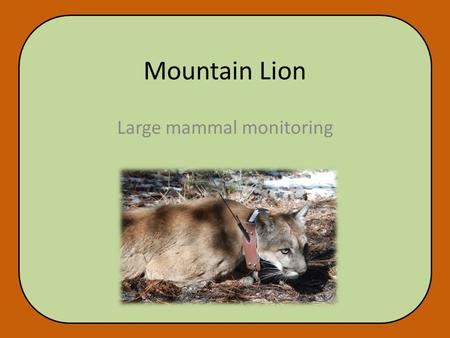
300, 216
263, 220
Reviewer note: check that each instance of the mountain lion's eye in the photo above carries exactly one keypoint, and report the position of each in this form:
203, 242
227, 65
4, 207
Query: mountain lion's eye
285, 251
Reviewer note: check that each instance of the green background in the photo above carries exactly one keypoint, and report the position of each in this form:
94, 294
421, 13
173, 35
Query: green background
370, 76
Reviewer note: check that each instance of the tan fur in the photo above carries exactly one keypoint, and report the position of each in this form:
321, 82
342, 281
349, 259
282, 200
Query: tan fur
198, 240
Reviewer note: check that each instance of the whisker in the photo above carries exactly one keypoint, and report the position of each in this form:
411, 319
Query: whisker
270, 271
270, 274
273, 275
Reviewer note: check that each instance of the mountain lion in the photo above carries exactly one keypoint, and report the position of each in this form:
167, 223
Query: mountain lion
199, 241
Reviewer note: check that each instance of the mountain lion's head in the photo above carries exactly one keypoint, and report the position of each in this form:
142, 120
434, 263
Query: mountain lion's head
282, 245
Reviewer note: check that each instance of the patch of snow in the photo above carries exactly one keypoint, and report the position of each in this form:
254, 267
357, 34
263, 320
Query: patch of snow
317, 184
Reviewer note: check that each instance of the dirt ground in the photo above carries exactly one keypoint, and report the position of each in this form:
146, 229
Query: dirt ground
318, 284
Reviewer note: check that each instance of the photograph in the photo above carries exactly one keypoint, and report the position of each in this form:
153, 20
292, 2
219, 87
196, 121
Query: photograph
228, 236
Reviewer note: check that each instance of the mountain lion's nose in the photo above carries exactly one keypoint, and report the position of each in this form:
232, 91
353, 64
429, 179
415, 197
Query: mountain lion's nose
302, 270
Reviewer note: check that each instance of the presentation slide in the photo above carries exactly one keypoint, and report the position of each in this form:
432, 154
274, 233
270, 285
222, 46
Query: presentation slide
225, 169
147, 142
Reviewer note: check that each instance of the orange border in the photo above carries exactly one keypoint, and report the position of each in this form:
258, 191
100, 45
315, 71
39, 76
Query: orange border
19, 19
